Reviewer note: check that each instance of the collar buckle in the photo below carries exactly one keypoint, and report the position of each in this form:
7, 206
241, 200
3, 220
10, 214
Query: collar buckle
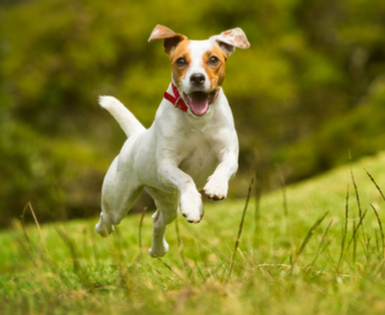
176, 99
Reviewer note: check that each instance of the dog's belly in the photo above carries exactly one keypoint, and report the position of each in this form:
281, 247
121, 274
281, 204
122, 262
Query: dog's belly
200, 164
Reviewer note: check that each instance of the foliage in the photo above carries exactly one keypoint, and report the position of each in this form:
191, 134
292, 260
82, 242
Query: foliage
285, 263
307, 91
357, 132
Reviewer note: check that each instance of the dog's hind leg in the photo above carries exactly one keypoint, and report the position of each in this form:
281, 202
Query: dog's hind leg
167, 208
120, 191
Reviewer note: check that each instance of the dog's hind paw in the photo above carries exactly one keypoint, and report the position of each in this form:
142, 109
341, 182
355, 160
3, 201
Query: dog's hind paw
158, 252
104, 229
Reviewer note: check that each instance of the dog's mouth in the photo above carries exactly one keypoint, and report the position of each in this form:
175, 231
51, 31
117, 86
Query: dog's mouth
199, 102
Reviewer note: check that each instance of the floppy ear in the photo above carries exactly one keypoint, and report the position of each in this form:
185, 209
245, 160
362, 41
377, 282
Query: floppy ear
170, 38
230, 39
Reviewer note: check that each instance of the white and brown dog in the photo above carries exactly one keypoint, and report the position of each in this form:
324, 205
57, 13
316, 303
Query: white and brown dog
191, 145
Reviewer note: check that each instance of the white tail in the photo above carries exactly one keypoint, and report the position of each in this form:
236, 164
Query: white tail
123, 116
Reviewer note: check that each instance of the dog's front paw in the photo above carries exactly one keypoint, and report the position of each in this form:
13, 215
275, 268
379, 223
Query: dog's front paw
191, 206
216, 188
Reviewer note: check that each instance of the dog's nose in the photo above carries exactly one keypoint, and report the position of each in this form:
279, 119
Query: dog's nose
197, 79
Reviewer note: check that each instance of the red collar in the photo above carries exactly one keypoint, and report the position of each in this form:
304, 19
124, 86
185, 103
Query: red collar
176, 100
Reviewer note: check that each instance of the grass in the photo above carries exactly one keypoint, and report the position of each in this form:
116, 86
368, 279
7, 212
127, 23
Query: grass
313, 248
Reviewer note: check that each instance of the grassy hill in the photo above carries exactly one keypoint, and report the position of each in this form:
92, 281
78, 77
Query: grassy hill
298, 254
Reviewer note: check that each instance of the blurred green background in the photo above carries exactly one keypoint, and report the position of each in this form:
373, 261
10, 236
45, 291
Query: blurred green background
310, 88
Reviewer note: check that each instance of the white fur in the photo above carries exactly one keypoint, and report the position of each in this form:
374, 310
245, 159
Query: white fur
179, 155
197, 49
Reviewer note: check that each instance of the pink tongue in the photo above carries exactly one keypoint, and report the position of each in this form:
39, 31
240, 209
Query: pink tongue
199, 103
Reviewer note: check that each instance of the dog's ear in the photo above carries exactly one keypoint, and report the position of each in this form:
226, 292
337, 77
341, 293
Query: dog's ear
170, 38
230, 39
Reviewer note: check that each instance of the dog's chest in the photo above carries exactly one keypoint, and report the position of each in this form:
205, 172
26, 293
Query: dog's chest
198, 155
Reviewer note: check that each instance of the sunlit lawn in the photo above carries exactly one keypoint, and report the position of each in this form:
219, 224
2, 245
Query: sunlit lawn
281, 266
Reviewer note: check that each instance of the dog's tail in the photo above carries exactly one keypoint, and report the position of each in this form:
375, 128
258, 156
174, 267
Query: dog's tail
123, 116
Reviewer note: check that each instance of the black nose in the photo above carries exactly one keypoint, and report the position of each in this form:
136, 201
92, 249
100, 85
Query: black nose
197, 78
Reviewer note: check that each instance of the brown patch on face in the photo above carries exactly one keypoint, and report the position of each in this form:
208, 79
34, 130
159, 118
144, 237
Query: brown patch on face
179, 68
214, 62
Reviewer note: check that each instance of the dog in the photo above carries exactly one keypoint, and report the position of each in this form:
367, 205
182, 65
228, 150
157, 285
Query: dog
192, 143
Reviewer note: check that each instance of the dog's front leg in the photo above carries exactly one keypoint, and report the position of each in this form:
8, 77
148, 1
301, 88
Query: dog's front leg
217, 184
190, 200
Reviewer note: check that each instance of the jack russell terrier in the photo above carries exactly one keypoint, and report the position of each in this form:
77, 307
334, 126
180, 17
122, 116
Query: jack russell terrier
192, 143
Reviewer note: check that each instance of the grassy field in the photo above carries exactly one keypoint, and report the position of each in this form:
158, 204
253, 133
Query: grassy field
311, 248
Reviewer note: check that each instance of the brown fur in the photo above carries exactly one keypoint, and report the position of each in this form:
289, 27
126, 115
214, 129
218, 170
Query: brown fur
216, 73
181, 50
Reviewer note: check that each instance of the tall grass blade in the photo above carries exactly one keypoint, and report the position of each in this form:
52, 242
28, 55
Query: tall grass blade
199, 271
241, 227
29, 205
358, 199
257, 195
284, 198
377, 242
47, 258
354, 243
356, 227
22, 219
75, 257
307, 238
119, 263
310, 234
374, 182
28, 251
345, 230
285, 206
381, 230
203, 259
321, 243
180, 245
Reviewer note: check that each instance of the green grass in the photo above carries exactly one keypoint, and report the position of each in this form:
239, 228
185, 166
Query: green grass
288, 260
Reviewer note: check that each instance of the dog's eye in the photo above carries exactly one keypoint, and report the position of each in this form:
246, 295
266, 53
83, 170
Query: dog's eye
181, 62
214, 61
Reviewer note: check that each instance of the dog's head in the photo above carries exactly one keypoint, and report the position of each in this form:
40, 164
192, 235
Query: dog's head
198, 67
